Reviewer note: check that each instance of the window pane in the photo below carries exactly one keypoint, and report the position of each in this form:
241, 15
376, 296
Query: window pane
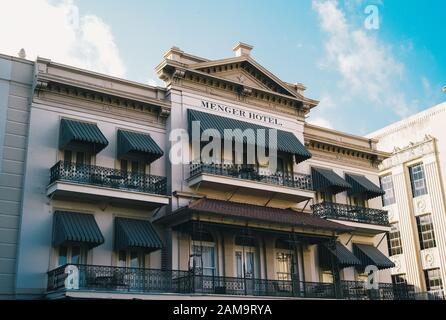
122, 255
135, 167
394, 240
80, 157
249, 264
124, 165
67, 155
433, 279
387, 185
62, 255
417, 180
134, 259
238, 264
426, 233
75, 254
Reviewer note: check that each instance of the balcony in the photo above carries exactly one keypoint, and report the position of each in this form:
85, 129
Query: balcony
85, 279
68, 178
351, 213
291, 186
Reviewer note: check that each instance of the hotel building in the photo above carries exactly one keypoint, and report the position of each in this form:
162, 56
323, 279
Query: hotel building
101, 211
413, 179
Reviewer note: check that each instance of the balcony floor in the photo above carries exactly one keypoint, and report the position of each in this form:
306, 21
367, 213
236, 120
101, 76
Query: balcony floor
70, 190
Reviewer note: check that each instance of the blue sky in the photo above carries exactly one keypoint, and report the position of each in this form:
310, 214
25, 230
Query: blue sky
365, 79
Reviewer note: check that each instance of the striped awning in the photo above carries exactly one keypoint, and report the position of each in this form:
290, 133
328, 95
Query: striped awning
73, 227
344, 257
138, 143
370, 255
72, 131
361, 185
328, 180
134, 233
286, 141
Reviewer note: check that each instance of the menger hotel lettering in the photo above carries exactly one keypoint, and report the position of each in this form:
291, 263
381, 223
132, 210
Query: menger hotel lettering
240, 113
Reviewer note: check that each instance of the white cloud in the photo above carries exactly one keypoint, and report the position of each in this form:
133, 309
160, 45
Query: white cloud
321, 122
55, 30
366, 66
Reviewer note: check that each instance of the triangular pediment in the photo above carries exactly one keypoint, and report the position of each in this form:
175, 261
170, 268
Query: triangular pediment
246, 71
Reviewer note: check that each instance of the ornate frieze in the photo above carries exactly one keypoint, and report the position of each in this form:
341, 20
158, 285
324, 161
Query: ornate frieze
410, 152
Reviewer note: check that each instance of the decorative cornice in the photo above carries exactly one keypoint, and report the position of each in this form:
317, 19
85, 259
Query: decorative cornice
410, 152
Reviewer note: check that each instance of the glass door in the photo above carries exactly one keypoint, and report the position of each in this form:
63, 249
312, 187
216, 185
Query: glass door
246, 268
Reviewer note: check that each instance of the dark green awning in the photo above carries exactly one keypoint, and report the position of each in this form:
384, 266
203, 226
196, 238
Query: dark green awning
73, 227
362, 185
328, 180
345, 258
286, 141
369, 255
138, 143
81, 132
133, 233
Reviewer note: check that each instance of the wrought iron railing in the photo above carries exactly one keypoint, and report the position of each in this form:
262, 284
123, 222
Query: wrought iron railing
254, 173
107, 177
347, 212
106, 278
120, 279
357, 290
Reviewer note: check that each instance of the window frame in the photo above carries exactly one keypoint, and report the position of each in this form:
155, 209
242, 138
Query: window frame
417, 190
394, 243
387, 198
425, 242
437, 278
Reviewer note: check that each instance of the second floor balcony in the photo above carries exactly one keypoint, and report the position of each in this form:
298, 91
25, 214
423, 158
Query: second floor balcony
100, 182
87, 279
295, 186
346, 212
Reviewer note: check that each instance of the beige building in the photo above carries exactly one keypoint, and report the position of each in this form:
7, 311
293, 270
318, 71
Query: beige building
413, 178
106, 213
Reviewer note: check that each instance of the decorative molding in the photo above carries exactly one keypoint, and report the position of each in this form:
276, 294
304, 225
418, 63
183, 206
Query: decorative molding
430, 258
400, 266
410, 152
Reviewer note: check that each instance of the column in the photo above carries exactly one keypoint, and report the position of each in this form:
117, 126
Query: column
408, 229
435, 190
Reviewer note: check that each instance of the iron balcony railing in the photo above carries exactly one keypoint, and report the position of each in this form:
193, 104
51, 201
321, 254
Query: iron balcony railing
139, 280
348, 212
253, 173
357, 290
107, 177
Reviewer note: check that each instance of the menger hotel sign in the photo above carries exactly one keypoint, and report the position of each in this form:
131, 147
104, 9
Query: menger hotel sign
237, 112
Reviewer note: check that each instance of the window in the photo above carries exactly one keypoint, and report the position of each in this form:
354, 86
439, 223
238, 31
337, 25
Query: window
387, 185
284, 261
131, 259
417, 180
77, 157
71, 255
399, 279
326, 196
426, 234
394, 240
433, 279
326, 276
204, 258
358, 201
133, 166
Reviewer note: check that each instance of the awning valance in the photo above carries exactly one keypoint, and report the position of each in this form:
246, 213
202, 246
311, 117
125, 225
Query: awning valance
133, 233
361, 185
138, 143
370, 255
328, 180
73, 227
286, 141
344, 257
72, 131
